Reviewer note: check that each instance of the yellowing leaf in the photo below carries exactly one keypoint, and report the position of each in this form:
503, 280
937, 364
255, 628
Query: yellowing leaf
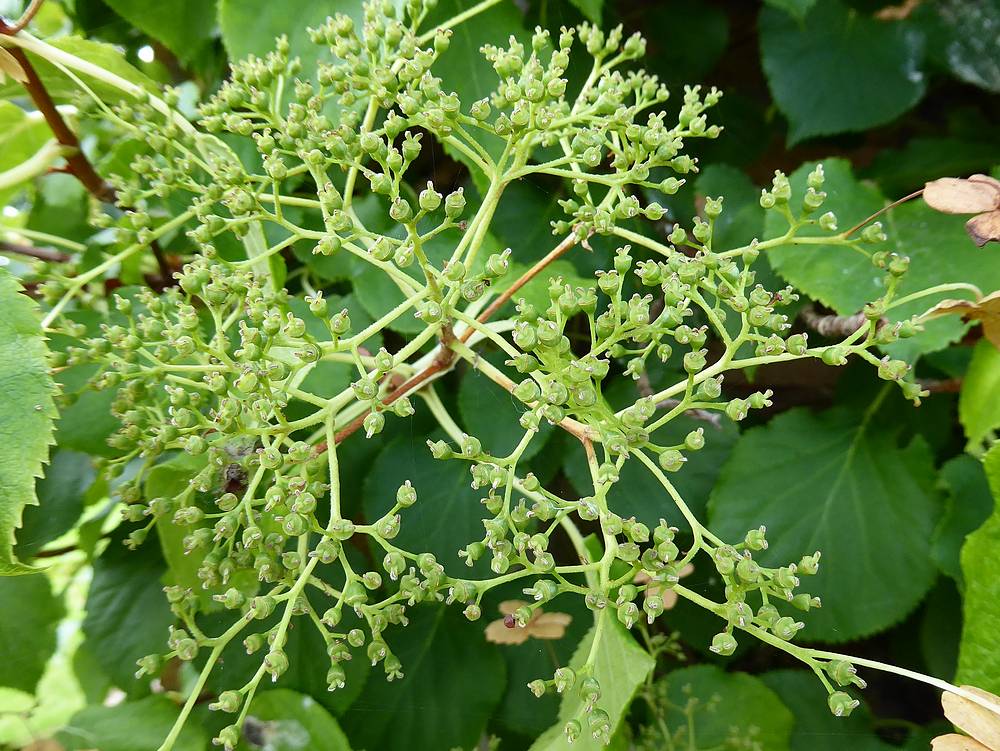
979, 722
953, 195
986, 311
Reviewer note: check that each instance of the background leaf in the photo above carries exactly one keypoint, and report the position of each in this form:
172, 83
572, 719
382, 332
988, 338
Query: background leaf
979, 399
453, 681
131, 726
978, 658
292, 721
745, 706
27, 630
836, 482
837, 70
183, 26
620, 666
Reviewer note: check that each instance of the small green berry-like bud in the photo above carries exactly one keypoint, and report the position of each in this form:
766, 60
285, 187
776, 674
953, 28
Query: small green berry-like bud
723, 644
842, 703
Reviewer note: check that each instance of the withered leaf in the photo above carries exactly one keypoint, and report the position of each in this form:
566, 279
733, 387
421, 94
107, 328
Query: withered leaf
986, 311
984, 227
541, 626
979, 722
956, 742
9, 66
953, 195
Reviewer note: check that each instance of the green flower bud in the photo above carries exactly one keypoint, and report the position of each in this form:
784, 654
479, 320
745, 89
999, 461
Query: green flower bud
842, 704
723, 643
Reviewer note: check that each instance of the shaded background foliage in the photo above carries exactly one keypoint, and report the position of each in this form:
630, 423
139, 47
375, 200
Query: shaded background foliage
897, 93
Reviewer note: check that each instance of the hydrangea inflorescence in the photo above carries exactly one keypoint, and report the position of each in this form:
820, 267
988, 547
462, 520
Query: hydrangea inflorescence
215, 369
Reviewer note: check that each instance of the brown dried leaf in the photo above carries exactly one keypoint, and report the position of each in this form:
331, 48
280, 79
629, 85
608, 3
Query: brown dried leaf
986, 311
897, 12
498, 633
989, 180
953, 195
984, 228
549, 625
956, 742
977, 721
11, 67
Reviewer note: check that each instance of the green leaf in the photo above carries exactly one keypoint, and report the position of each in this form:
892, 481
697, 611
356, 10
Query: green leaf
680, 58
27, 630
978, 658
797, 8
839, 71
61, 500
462, 67
742, 217
838, 482
979, 399
745, 706
844, 279
26, 412
967, 506
291, 721
638, 493
620, 666
167, 480
973, 56
491, 414
306, 650
249, 27
106, 56
521, 712
591, 9
816, 729
21, 136
447, 513
184, 27
920, 160
127, 614
132, 726
453, 681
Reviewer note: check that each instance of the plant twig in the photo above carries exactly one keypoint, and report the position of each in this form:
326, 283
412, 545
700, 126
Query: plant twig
882, 210
44, 254
446, 355
832, 325
29, 13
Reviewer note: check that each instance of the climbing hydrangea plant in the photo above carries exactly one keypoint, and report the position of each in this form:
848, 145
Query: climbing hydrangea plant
246, 394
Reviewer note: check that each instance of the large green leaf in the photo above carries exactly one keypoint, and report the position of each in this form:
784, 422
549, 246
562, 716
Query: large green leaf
638, 493
621, 666
973, 53
743, 708
838, 70
26, 412
816, 729
447, 515
27, 630
61, 500
289, 721
453, 681
968, 505
844, 280
462, 68
132, 726
249, 27
978, 657
184, 26
837, 482
491, 414
979, 399
127, 613
901, 170
798, 8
